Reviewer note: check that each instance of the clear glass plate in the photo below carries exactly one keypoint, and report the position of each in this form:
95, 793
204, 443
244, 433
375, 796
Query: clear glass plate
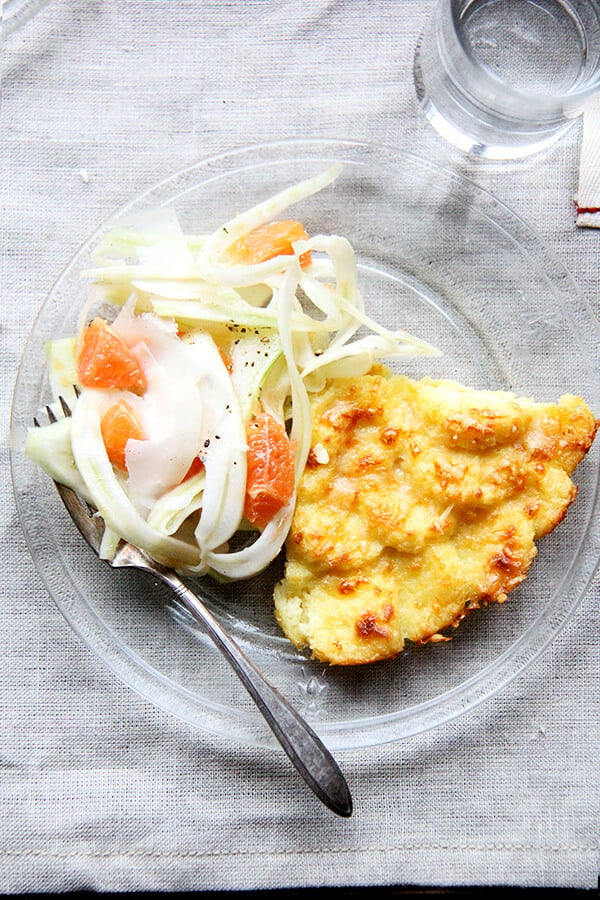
438, 256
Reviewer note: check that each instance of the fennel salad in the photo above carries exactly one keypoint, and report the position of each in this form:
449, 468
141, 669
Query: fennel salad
190, 399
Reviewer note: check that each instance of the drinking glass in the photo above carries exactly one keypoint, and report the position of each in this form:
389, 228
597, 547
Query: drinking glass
502, 79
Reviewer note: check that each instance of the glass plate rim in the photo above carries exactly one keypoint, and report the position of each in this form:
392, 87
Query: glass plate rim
479, 687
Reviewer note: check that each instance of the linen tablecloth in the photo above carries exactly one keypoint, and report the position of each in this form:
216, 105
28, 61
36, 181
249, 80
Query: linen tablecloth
101, 790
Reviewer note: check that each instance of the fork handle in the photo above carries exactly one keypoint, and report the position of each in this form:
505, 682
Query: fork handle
307, 752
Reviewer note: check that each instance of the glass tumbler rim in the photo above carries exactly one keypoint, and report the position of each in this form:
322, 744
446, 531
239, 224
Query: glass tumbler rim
580, 92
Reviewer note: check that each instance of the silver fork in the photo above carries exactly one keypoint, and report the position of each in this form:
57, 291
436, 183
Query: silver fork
307, 752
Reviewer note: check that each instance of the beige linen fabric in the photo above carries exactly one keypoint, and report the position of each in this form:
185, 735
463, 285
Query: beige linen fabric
99, 790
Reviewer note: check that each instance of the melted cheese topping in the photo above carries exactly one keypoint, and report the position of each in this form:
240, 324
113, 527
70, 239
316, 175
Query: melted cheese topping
420, 502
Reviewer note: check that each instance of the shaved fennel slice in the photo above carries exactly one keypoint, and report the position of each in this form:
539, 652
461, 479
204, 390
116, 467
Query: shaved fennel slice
256, 557
149, 280
109, 543
352, 360
407, 343
172, 509
347, 295
165, 245
224, 448
61, 357
341, 252
301, 431
124, 243
167, 251
306, 348
244, 275
119, 243
50, 448
165, 263
253, 355
264, 212
135, 273
356, 357
194, 313
107, 494
276, 390
349, 298
322, 295
190, 290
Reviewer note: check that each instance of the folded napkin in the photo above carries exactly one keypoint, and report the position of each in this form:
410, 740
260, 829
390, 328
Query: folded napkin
588, 193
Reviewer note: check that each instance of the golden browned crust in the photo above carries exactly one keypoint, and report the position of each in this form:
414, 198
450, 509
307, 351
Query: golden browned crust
420, 502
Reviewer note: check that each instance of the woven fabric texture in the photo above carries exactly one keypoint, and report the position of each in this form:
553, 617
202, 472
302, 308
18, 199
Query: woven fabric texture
99, 789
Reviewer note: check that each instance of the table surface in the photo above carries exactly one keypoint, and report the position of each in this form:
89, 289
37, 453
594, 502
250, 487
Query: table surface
100, 790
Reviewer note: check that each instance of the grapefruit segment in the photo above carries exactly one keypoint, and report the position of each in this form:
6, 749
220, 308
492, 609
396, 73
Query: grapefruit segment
195, 468
105, 361
268, 241
118, 424
270, 465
